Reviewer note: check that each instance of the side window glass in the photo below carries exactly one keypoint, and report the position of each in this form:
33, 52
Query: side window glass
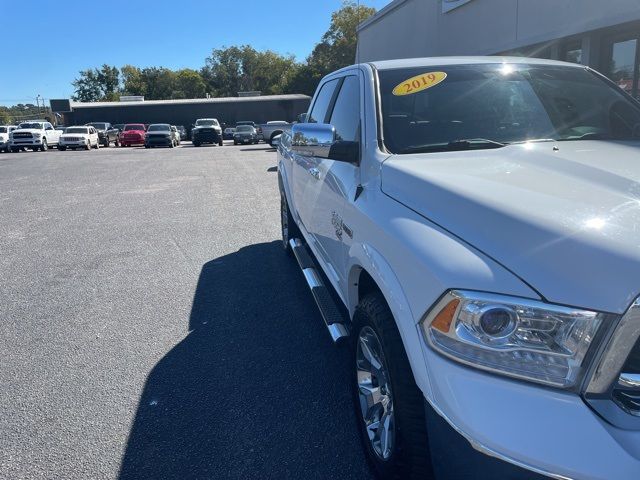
323, 100
346, 113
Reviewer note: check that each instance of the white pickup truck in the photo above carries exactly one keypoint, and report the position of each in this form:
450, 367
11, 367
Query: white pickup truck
469, 226
34, 134
5, 130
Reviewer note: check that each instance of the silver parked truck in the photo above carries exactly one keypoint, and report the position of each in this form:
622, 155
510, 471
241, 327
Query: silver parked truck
469, 228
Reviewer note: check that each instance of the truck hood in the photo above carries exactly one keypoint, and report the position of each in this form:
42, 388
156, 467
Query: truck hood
28, 130
74, 135
567, 222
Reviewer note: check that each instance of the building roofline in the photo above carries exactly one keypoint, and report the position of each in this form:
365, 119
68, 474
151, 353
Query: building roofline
380, 13
150, 103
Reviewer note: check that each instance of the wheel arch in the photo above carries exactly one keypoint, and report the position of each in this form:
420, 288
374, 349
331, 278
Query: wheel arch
369, 272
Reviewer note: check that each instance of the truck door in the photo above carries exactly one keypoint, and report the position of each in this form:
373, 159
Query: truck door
337, 181
305, 184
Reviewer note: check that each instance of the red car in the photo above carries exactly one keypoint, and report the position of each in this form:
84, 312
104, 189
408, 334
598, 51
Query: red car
132, 134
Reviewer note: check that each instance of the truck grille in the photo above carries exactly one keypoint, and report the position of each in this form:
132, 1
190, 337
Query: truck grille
22, 135
158, 136
73, 139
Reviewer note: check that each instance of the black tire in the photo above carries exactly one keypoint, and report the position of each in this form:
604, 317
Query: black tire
105, 144
117, 143
288, 227
220, 143
196, 144
235, 143
61, 148
410, 457
87, 146
45, 146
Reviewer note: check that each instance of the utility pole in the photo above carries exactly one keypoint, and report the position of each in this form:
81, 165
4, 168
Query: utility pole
38, 103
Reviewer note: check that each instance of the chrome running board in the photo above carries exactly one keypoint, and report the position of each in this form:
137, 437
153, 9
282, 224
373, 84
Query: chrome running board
332, 315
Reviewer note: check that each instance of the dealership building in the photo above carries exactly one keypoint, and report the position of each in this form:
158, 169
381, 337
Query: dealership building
603, 34
228, 110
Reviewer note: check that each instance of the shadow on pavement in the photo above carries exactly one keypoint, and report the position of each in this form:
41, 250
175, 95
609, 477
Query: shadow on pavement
255, 390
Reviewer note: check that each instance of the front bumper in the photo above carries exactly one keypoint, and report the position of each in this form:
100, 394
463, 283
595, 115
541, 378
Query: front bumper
26, 142
541, 429
245, 139
206, 137
132, 141
158, 142
73, 144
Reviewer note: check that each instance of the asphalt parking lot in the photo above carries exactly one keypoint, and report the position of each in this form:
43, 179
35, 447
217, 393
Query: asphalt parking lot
151, 325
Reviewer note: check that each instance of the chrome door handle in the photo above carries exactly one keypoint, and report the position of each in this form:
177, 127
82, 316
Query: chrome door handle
315, 173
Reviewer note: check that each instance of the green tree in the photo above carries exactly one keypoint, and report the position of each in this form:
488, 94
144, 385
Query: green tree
337, 47
133, 82
5, 116
97, 84
189, 84
159, 81
229, 70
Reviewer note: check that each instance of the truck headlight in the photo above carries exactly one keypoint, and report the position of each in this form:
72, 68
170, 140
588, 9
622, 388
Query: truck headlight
514, 336
37, 135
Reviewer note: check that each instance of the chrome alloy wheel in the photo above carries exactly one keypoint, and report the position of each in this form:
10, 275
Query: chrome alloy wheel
374, 390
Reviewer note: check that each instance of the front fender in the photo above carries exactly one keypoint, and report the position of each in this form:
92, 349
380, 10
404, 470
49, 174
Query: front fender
413, 262
365, 257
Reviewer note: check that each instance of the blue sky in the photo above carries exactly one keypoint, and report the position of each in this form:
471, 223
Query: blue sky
72, 35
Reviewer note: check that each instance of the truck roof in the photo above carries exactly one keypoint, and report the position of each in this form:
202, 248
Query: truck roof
441, 61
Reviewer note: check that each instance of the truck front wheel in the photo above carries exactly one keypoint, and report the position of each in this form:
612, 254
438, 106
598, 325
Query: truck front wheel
44, 147
389, 405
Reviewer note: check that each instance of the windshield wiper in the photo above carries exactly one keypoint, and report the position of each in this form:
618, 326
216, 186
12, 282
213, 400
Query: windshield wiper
587, 136
455, 145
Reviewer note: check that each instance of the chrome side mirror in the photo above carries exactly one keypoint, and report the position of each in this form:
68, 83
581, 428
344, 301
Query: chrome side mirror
313, 139
320, 140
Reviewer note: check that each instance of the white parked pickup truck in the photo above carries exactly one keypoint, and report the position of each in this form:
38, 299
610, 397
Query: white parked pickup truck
469, 226
34, 134
5, 130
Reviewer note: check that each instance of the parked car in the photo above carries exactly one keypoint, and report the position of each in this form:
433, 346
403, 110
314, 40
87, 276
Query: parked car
132, 134
228, 133
160, 135
5, 130
108, 133
84, 136
245, 134
477, 222
254, 125
119, 126
273, 129
182, 131
35, 135
206, 130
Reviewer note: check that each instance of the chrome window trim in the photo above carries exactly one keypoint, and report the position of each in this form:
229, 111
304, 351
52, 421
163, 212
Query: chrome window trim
616, 352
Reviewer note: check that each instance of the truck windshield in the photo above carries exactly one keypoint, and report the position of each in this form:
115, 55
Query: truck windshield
35, 126
4, 130
463, 107
133, 127
245, 128
98, 126
205, 123
159, 128
77, 130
